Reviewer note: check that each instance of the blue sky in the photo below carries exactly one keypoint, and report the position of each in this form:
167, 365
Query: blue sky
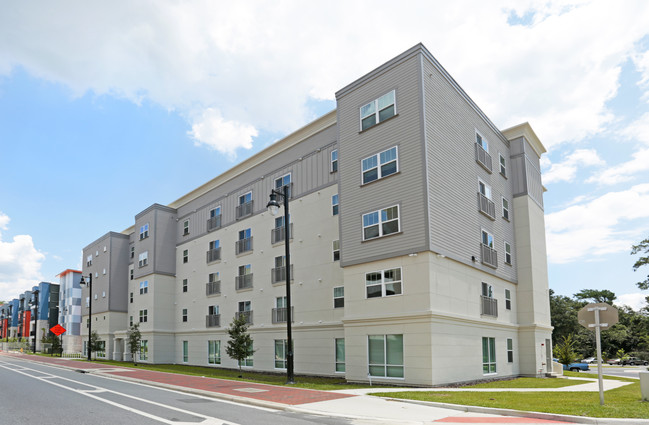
106, 109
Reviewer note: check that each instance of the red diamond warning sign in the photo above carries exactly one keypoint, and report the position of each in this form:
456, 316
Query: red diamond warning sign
57, 330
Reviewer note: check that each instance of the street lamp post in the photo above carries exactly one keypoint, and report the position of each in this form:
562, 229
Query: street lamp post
83, 282
273, 208
4, 327
35, 304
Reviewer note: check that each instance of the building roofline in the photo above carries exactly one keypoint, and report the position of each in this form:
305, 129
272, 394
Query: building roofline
106, 235
525, 130
67, 271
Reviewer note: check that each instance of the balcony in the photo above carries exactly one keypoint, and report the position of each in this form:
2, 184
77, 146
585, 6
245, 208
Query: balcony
279, 315
243, 281
486, 206
214, 223
489, 306
213, 288
483, 158
244, 210
243, 245
278, 274
213, 320
245, 314
213, 255
277, 234
489, 256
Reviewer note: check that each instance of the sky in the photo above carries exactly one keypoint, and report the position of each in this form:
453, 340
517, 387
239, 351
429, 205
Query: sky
109, 107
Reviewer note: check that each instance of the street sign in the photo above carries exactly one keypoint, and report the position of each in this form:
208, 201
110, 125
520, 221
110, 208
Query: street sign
57, 330
607, 316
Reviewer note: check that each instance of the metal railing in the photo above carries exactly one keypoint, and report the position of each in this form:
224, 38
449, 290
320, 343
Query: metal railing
279, 315
243, 245
489, 256
212, 288
244, 210
483, 157
278, 274
277, 234
214, 223
243, 281
213, 255
245, 314
213, 320
489, 306
486, 206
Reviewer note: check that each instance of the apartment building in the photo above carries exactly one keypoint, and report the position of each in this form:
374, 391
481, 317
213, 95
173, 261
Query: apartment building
70, 310
416, 232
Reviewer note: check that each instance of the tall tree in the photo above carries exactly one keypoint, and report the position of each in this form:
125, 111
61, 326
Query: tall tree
596, 295
641, 248
240, 342
134, 336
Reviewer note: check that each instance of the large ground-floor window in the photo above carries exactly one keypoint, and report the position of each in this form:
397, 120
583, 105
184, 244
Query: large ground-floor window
488, 355
340, 354
214, 352
385, 355
247, 362
280, 353
144, 349
185, 351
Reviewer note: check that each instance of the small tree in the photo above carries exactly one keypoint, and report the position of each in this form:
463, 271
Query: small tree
240, 342
134, 337
564, 351
95, 343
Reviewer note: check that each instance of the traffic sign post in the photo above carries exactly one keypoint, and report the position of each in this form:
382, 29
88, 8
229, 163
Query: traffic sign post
598, 316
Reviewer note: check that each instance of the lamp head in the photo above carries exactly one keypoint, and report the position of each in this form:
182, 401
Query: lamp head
273, 205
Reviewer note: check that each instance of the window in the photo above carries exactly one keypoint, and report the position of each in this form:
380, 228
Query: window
503, 165
214, 222
508, 299
215, 244
143, 316
143, 259
505, 209
244, 279
484, 188
487, 239
380, 165
185, 351
184, 285
185, 227
184, 314
89, 260
383, 283
132, 252
144, 349
144, 231
144, 287
283, 181
244, 244
482, 142
378, 110
185, 256
339, 296
280, 353
385, 355
340, 354
482, 152
334, 204
508, 253
247, 362
214, 352
336, 250
334, 160
131, 298
510, 350
487, 290
488, 355
131, 273
130, 320
381, 223
214, 251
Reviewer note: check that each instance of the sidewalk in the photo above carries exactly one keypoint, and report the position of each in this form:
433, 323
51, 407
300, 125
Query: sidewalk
353, 404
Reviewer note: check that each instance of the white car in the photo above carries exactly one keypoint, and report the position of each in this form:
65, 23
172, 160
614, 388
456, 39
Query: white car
589, 360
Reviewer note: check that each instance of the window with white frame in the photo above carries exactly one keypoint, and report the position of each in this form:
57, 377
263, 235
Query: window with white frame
505, 209
510, 350
144, 314
131, 298
248, 362
283, 181
185, 351
380, 165
185, 256
214, 352
184, 315
144, 231
378, 110
482, 142
503, 165
381, 223
385, 355
334, 160
215, 212
339, 296
334, 204
508, 299
383, 283
280, 353
143, 259
144, 349
488, 355
184, 285
487, 290
484, 189
340, 354
185, 227
487, 239
245, 198
89, 260
508, 253
336, 250
144, 287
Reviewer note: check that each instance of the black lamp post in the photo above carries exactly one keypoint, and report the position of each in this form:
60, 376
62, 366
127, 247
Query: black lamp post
83, 282
9, 315
273, 208
2, 320
35, 304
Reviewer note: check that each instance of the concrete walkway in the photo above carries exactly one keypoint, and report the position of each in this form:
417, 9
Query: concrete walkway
355, 404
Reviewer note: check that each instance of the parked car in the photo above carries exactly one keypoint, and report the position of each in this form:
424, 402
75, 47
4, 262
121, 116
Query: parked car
589, 360
575, 367
633, 361
613, 361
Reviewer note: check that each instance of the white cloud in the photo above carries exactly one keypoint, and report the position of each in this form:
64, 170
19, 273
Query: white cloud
259, 63
608, 224
638, 131
623, 172
636, 301
566, 170
20, 263
224, 136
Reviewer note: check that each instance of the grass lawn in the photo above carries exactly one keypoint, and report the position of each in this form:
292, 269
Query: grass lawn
529, 383
623, 402
310, 382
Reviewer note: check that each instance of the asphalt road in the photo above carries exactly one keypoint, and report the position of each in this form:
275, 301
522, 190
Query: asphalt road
32, 393
625, 371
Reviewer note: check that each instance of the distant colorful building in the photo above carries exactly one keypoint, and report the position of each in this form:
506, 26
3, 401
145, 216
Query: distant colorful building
70, 310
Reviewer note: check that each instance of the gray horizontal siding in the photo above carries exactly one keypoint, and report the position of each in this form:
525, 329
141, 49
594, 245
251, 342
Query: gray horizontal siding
405, 188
